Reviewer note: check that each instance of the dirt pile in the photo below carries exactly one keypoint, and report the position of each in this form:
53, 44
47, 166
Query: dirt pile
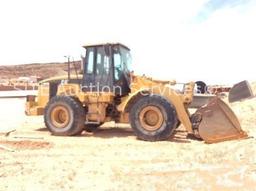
253, 85
245, 110
26, 144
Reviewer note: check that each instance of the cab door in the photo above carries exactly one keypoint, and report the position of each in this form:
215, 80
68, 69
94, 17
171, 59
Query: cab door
98, 76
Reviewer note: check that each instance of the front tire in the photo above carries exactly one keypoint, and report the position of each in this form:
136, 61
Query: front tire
64, 116
153, 118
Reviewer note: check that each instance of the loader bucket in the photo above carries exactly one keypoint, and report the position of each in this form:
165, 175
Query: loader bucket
216, 122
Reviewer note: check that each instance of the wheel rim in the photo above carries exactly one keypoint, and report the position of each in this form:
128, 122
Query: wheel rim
60, 117
151, 118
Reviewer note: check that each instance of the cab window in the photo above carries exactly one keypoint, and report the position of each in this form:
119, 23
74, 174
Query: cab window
90, 61
118, 66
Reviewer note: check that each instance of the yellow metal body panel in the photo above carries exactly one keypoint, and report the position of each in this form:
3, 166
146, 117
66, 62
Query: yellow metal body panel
33, 109
96, 102
37, 105
43, 95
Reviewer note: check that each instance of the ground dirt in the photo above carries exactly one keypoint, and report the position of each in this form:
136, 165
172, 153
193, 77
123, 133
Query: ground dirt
113, 159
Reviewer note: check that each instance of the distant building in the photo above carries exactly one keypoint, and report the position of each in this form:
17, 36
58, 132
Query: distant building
30, 79
23, 79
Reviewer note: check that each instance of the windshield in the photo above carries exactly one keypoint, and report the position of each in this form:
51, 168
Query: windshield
122, 62
126, 59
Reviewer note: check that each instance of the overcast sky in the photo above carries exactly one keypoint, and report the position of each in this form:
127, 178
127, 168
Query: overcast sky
211, 40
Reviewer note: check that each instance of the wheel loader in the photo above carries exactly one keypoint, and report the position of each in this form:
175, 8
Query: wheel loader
107, 90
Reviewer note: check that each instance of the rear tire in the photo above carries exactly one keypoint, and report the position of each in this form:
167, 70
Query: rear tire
153, 118
64, 116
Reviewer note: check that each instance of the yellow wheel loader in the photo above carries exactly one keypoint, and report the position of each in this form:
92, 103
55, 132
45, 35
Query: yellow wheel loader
107, 90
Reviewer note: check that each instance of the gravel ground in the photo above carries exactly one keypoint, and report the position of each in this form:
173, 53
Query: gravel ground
113, 159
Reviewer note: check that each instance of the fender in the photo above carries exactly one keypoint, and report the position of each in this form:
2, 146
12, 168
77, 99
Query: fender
126, 102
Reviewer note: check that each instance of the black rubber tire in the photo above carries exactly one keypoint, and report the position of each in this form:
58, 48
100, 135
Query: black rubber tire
91, 127
77, 116
201, 87
168, 111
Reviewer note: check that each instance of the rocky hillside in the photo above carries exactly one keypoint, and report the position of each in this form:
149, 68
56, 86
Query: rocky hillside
43, 71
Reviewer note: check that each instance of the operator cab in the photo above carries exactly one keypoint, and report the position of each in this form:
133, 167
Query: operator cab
107, 69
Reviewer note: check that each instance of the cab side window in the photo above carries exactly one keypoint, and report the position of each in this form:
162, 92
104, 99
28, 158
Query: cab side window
102, 62
90, 61
118, 66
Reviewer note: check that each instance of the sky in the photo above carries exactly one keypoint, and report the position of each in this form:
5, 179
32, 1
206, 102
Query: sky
186, 40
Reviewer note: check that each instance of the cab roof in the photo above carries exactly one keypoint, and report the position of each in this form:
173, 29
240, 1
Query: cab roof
102, 44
